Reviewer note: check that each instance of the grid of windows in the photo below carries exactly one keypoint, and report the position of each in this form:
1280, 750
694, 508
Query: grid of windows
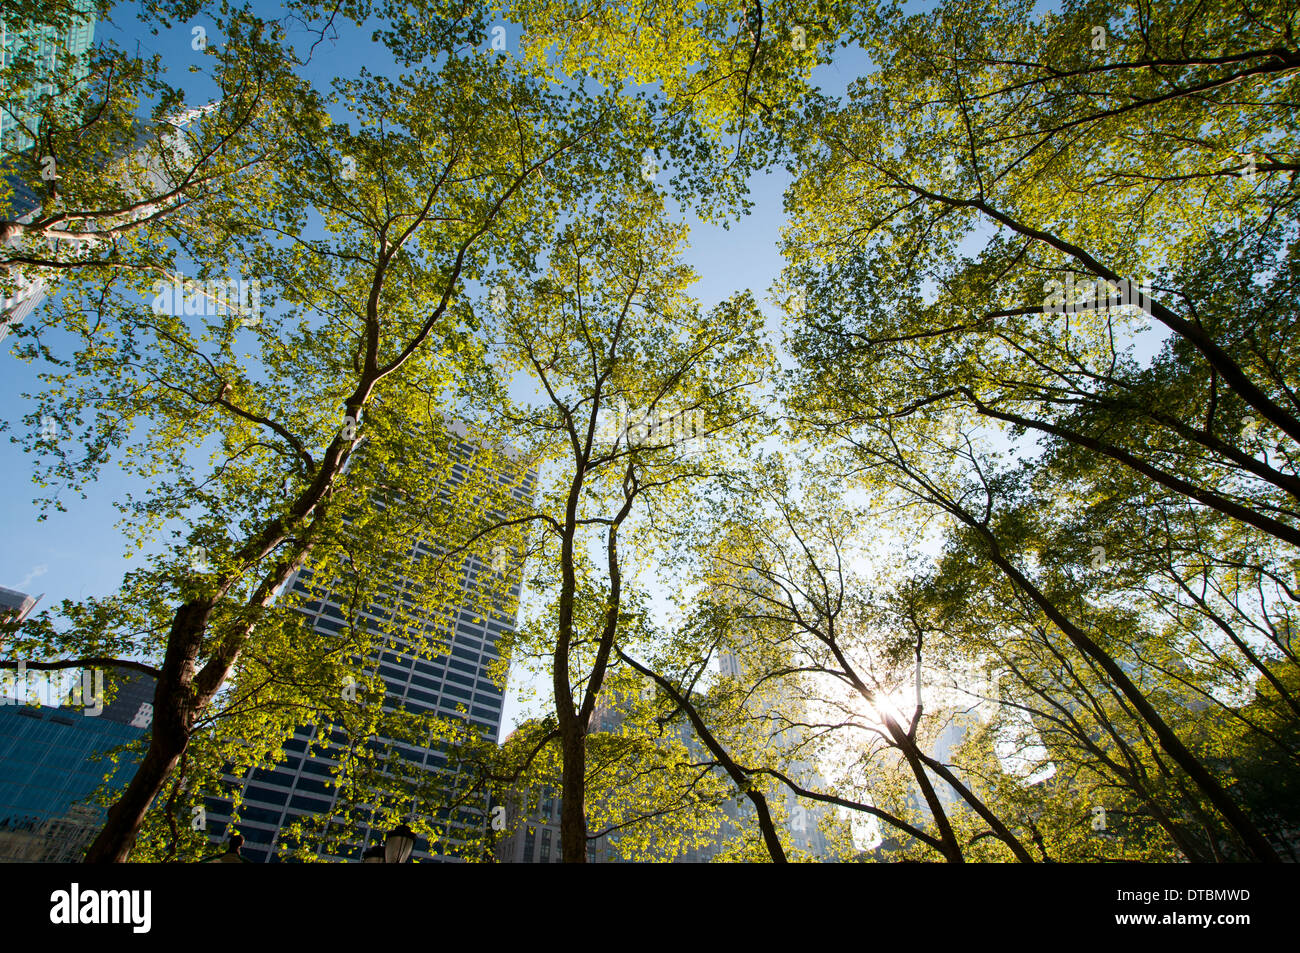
54, 759
455, 684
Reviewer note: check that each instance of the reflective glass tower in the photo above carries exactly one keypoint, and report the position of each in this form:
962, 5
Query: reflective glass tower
52, 759
59, 54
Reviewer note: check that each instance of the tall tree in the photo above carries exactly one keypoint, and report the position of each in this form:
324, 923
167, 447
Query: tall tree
638, 394
985, 125
445, 172
849, 656
953, 142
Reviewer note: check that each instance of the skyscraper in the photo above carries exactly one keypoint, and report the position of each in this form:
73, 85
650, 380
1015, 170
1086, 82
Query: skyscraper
453, 685
61, 55
15, 605
24, 206
58, 53
15, 308
52, 758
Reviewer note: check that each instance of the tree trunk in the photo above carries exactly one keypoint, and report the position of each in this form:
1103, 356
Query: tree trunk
1257, 844
951, 849
183, 692
173, 716
573, 813
1000, 830
739, 775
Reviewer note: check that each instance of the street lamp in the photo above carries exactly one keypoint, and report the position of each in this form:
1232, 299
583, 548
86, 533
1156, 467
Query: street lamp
398, 845
396, 848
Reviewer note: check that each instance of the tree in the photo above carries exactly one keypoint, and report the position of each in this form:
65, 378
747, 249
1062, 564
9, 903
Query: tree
448, 174
96, 186
650, 794
908, 339
731, 76
984, 506
849, 658
963, 152
1073, 737
637, 392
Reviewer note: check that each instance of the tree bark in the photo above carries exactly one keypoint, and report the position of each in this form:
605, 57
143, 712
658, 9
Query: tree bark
573, 732
174, 709
738, 774
1000, 830
573, 810
182, 694
951, 848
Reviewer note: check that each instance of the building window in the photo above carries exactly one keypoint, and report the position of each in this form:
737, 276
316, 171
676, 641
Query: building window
530, 841
546, 845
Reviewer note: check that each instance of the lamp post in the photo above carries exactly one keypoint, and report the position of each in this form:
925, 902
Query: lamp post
398, 845
396, 849
231, 855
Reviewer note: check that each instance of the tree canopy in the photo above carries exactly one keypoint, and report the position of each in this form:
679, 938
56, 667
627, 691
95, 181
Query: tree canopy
976, 540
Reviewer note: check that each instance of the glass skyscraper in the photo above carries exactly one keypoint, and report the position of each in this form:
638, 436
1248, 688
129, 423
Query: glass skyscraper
58, 54
453, 685
52, 759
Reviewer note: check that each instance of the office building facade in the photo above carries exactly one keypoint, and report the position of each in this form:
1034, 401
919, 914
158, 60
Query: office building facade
453, 685
54, 757
58, 53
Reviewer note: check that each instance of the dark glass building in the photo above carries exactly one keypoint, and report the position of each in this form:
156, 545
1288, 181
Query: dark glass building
52, 759
453, 685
